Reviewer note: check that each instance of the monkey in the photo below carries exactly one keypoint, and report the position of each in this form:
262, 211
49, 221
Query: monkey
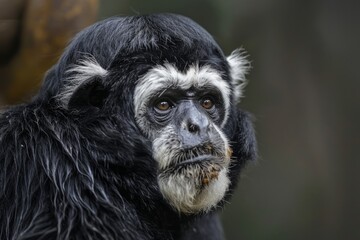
136, 133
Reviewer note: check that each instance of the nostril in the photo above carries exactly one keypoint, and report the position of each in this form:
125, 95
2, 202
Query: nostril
193, 128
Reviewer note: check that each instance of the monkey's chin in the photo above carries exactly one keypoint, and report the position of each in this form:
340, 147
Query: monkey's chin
196, 188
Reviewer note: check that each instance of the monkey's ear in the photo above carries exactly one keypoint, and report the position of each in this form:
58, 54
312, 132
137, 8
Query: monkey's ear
239, 66
90, 93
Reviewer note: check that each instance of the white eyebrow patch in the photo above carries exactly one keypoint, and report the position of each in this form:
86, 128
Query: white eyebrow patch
168, 76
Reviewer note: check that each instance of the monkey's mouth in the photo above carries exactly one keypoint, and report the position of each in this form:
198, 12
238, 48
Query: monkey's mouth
196, 162
199, 158
201, 169
204, 154
199, 166
202, 159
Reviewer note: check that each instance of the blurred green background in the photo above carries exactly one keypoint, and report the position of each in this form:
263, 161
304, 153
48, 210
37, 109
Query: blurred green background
304, 90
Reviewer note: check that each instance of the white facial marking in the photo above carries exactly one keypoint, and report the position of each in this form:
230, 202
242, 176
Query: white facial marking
185, 196
213, 193
163, 149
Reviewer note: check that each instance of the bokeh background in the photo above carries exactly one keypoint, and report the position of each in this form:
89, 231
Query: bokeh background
304, 91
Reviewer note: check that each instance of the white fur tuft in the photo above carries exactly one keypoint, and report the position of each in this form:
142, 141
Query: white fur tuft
78, 74
239, 67
184, 194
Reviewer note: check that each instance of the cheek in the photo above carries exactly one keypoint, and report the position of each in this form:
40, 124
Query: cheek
150, 130
220, 135
165, 146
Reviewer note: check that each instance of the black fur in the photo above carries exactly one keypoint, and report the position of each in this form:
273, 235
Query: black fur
85, 171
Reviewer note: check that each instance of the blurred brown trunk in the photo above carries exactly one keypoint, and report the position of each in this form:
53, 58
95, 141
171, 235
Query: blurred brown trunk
45, 27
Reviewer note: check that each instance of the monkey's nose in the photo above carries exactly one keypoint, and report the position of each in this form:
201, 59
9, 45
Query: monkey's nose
195, 133
193, 128
197, 124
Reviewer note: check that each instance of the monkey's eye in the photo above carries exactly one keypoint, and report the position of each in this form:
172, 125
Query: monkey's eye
207, 103
163, 105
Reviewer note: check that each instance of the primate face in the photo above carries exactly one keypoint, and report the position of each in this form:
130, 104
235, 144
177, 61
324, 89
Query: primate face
183, 114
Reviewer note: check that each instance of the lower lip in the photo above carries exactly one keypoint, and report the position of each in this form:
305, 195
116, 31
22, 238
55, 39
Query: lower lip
199, 159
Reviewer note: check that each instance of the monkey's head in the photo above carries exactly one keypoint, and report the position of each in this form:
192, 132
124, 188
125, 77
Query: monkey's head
183, 113
167, 76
